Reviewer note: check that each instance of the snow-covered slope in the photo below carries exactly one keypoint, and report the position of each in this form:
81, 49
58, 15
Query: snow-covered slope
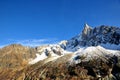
91, 43
48, 51
95, 52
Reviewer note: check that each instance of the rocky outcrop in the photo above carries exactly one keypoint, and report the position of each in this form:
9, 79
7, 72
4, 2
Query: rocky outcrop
87, 32
62, 69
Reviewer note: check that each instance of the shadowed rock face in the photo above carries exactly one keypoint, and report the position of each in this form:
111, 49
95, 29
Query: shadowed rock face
96, 36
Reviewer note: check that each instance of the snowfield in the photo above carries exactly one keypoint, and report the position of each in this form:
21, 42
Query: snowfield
91, 43
87, 52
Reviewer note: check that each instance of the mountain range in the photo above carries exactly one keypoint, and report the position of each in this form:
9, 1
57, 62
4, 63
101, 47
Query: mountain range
94, 54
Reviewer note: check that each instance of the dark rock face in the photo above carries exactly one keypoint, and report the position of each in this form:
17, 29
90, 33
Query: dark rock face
96, 36
104, 34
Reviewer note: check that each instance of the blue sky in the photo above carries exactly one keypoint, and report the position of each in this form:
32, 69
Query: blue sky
49, 21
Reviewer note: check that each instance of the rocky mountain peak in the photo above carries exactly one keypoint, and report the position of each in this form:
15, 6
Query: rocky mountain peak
105, 36
86, 26
86, 31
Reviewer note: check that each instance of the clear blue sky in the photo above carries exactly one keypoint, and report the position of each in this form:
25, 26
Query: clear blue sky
54, 20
